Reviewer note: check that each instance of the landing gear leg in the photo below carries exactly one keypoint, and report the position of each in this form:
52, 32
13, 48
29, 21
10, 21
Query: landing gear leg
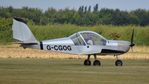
96, 62
118, 62
87, 62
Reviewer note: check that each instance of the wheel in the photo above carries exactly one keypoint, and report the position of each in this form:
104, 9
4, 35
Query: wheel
96, 62
118, 63
87, 62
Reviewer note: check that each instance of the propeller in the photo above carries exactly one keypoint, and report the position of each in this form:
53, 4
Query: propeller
132, 39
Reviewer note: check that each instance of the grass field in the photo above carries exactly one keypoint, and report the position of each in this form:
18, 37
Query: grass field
72, 71
29, 66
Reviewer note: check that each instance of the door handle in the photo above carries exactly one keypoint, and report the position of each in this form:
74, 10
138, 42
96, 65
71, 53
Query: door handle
87, 46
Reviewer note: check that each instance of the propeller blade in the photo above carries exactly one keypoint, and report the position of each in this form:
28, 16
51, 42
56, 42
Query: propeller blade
132, 39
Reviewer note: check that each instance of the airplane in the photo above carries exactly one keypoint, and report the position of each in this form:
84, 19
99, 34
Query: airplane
81, 43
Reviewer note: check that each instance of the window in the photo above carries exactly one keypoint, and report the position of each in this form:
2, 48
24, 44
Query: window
76, 38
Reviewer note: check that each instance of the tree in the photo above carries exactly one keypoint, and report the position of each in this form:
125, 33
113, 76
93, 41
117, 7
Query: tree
89, 9
96, 8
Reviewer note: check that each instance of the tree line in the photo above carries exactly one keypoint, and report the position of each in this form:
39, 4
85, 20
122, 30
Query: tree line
84, 16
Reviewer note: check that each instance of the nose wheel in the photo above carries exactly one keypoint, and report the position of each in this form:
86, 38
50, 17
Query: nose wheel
96, 62
118, 62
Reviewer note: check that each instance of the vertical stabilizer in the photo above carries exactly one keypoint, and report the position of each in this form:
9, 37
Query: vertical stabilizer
21, 31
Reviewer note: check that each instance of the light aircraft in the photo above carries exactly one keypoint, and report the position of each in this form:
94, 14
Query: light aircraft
83, 42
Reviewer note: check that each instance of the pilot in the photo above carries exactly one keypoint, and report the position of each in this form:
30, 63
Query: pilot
89, 41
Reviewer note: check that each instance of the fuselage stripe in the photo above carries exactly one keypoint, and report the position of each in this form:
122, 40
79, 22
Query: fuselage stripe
41, 45
111, 51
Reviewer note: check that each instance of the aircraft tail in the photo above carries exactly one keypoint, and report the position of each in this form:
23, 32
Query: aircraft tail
22, 33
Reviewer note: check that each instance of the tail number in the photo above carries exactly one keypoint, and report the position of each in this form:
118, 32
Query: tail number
59, 47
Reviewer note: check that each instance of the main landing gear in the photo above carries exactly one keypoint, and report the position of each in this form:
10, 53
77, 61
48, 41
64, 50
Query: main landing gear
118, 62
96, 62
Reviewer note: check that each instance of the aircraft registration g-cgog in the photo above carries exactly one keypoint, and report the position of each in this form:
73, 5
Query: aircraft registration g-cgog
83, 42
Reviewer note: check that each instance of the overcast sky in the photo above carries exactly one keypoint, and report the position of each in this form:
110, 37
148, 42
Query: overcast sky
61, 4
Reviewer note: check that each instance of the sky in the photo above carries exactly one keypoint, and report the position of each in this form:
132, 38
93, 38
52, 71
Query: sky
75, 4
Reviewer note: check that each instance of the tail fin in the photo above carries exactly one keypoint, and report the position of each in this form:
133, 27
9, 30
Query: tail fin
21, 32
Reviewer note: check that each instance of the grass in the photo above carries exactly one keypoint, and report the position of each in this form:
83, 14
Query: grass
72, 71
25, 66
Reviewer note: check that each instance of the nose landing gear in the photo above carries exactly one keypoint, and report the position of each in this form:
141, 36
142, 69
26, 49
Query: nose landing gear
118, 62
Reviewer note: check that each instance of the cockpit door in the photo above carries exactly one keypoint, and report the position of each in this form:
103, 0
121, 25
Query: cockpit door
87, 42
93, 41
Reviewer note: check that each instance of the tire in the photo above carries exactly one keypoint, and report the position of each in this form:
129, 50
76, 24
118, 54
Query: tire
118, 63
87, 62
96, 63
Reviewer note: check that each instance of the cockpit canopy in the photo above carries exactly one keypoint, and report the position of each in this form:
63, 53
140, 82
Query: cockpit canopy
88, 38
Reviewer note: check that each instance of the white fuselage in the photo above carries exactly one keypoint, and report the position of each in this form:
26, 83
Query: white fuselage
66, 45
